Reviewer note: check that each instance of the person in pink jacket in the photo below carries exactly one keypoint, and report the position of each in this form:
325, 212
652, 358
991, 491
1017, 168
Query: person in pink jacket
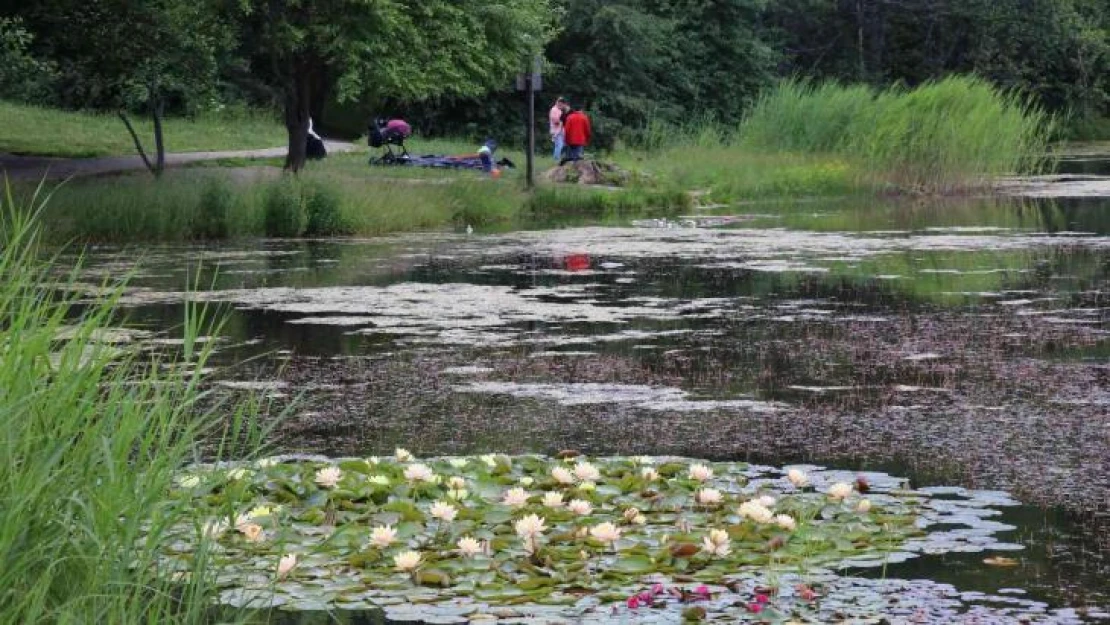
555, 118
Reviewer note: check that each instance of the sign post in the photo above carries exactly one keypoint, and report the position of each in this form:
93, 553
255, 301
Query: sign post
531, 83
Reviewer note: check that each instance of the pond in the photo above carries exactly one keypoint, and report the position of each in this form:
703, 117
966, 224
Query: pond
955, 342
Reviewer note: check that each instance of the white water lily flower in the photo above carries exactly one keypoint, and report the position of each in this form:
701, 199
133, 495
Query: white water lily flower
406, 560
553, 500
515, 497
864, 505
469, 547
630, 513
380, 480
797, 477
213, 529
458, 494
580, 507
238, 473
189, 481
383, 536
587, 486
562, 475
456, 482
459, 463
701, 473
643, 460
786, 522
649, 474
266, 463
527, 481
712, 548
766, 501
756, 512
719, 537
252, 532
606, 532
489, 459
372, 461
419, 473
840, 490
530, 526
708, 496
639, 519
286, 564
403, 455
328, 477
444, 511
586, 472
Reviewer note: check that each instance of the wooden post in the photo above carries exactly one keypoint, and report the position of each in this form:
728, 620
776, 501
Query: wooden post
531, 128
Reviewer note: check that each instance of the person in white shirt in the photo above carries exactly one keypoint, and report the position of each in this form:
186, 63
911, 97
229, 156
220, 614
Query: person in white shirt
555, 118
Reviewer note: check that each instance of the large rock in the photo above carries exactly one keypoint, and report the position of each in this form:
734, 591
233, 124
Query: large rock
589, 172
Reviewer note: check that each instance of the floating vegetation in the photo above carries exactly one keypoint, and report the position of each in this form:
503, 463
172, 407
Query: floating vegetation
310, 533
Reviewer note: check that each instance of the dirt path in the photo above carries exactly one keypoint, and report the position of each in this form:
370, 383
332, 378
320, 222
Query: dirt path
37, 167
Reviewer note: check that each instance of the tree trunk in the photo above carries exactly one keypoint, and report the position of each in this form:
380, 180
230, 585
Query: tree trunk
159, 141
297, 102
138, 142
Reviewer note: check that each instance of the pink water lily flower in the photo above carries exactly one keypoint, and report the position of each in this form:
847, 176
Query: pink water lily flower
633, 602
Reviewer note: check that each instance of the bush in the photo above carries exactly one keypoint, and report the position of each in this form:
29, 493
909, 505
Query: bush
214, 211
22, 77
284, 209
322, 212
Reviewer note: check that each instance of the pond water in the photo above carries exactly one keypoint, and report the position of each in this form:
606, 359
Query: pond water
952, 342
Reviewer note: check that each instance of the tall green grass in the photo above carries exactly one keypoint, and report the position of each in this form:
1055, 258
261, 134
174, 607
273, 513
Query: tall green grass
942, 136
91, 434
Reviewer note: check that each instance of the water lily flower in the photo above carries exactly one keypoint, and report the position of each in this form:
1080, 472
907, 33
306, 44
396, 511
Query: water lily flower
642, 460
266, 463
630, 513
756, 512
380, 480
762, 599
469, 547
864, 506
755, 608
403, 455
419, 473
444, 511
840, 490
580, 507
649, 474
252, 532
458, 494
286, 564
553, 500
260, 511
587, 486
515, 497
459, 463
456, 482
383, 536
526, 481
633, 602
213, 529
328, 477
586, 472
407, 560
766, 501
786, 522
530, 526
489, 459
189, 481
702, 591
797, 477
717, 543
238, 473
372, 461
562, 475
708, 496
700, 472
606, 532
639, 519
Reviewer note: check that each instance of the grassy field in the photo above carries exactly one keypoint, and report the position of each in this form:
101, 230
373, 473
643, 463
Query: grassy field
52, 132
93, 430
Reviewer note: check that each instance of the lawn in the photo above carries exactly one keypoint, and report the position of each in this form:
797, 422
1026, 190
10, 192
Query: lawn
53, 132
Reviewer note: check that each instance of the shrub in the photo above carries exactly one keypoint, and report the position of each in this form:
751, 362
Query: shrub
323, 216
284, 209
213, 213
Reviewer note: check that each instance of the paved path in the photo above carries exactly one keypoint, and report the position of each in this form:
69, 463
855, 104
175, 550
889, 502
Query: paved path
36, 167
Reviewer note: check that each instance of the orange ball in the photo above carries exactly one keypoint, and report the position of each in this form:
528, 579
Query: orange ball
496, 173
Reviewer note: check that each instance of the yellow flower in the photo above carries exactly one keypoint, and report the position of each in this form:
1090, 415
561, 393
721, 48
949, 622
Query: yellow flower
606, 532
260, 511
406, 560
286, 564
383, 536
587, 486
328, 477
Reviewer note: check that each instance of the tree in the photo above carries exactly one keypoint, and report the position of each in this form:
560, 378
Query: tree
407, 49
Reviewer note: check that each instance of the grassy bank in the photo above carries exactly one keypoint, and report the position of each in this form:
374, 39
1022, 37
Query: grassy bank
52, 132
92, 434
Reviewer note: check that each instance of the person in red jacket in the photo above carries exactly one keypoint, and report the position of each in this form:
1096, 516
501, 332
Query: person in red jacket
576, 129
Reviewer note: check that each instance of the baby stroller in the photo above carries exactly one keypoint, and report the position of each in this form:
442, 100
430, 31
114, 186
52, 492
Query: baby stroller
387, 134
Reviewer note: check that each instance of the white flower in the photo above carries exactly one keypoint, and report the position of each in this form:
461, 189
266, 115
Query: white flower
372, 460
766, 501
606, 532
469, 547
708, 496
840, 490
419, 473
527, 481
642, 460
714, 549
213, 529
756, 512
786, 522
406, 560
383, 536
238, 473
380, 480
580, 507
459, 463
562, 475
456, 482
444, 511
189, 481
328, 477
864, 505
266, 463
701, 473
286, 564
553, 500
797, 477
489, 459
251, 531
530, 526
458, 494
587, 486
639, 519
649, 474
718, 537
586, 472
403, 455
630, 513
515, 497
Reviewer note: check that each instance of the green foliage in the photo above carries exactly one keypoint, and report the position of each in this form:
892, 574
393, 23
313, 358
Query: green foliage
23, 77
216, 205
323, 216
284, 209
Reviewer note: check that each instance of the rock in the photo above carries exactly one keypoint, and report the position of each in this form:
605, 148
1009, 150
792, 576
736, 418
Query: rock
589, 172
